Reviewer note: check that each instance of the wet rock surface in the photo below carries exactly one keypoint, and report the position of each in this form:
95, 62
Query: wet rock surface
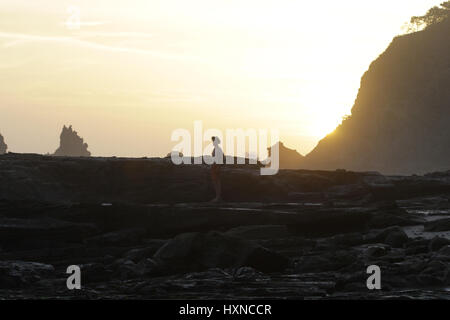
115, 219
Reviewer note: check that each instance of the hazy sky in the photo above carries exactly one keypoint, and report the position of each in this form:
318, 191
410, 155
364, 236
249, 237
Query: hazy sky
138, 69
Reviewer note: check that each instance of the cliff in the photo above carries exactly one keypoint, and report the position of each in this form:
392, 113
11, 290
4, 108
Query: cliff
399, 122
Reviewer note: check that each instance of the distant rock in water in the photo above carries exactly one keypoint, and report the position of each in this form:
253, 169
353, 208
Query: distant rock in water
400, 120
3, 145
71, 144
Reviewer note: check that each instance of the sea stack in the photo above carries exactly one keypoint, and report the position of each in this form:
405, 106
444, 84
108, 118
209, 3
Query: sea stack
3, 145
71, 144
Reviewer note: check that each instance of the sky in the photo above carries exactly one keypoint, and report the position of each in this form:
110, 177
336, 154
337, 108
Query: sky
131, 72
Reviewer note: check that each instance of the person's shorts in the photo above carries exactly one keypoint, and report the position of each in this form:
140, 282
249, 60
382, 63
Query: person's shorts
215, 171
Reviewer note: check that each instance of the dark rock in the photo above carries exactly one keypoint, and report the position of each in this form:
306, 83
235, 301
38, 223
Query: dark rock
355, 281
377, 251
394, 256
394, 236
259, 232
22, 273
388, 214
396, 239
246, 274
437, 243
150, 249
384, 220
331, 222
95, 272
438, 225
127, 269
28, 231
435, 273
444, 251
213, 273
351, 191
379, 186
119, 238
147, 267
411, 266
3, 145
417, 247
312, 197
200, 251
349, 239
328, 261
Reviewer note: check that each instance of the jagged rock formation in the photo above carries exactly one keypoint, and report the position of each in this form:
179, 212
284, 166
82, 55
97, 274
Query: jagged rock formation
399, 122
71, 144
3, 145
289, 158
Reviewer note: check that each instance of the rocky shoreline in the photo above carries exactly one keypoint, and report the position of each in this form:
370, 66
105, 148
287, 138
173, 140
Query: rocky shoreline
143, 229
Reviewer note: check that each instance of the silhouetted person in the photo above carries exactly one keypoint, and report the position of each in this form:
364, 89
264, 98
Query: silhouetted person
217, 155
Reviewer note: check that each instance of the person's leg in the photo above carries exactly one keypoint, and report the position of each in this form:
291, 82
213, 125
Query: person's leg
218, 189
216, 182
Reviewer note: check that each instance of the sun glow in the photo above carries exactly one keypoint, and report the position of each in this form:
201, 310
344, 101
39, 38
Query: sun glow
137, 70
323, 127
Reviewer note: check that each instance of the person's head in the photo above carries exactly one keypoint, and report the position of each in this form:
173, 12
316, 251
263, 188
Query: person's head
215, 140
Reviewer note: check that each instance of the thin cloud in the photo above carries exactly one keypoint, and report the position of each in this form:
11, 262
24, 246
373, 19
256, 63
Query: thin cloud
20, 38
86, 23
138, 35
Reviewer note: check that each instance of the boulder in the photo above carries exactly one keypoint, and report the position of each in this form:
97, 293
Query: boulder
246, 274
396, 239
394, 236
376, 251
190, 252
15, 274
125, 269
